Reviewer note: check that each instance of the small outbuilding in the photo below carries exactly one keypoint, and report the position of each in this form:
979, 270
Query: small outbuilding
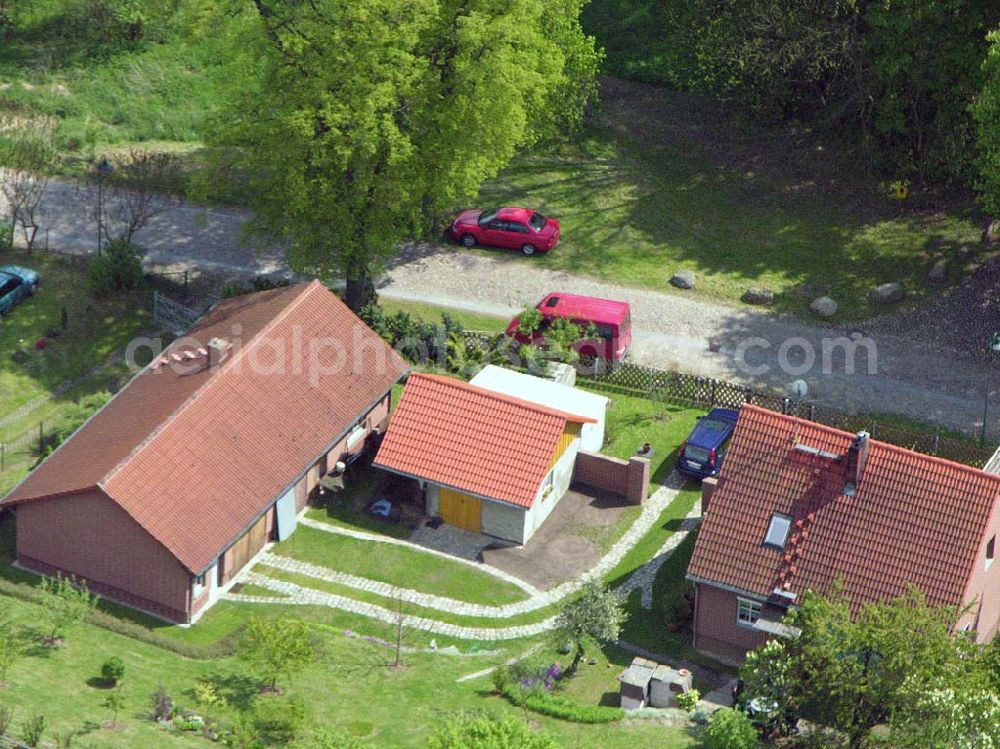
550, 394
486, 462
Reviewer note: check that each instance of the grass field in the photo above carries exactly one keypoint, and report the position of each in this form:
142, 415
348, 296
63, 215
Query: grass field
74, 363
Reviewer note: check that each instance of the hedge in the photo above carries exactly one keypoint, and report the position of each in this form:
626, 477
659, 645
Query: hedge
562, 708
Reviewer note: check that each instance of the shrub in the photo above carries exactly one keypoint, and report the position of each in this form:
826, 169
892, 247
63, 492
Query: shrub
731, 729
554, 706
163, 706
6, 235
118, 268
113, 670
278, 721
31, 732
688, 701
6, 719
477, 731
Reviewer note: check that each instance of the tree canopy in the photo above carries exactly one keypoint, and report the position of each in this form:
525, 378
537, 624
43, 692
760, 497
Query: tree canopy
365, 120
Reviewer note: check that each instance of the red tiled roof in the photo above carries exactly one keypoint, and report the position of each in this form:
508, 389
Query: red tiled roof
914, 519
473, 439
196, 457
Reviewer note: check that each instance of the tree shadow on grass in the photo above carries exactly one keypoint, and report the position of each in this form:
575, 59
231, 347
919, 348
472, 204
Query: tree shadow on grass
239, 690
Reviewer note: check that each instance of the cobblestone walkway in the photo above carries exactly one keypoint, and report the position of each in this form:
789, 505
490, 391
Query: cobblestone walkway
642, 579
298, 594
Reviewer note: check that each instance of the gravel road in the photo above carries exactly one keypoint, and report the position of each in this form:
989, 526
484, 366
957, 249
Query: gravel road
671, 328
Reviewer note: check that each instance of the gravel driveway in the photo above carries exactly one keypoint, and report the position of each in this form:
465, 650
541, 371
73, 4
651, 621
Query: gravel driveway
671, 330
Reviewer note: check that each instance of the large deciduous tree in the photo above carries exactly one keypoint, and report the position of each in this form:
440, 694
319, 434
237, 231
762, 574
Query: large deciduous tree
364, 120
595, 616
853, 673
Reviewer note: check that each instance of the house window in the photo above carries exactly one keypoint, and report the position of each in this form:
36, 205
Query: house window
199, 585
747, 612
990, 550
548, 485
777, 531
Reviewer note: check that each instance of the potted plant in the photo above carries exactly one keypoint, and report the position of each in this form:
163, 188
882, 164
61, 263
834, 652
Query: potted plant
676, 614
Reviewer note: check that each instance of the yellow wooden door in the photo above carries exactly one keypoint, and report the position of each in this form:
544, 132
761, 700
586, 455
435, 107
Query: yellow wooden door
461, 510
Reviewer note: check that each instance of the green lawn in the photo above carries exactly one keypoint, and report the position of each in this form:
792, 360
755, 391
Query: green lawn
432, 313
405, 567
631, 422
646, 191
349, 689
80, 354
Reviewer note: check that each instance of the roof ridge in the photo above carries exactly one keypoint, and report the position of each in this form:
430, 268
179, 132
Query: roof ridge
203, 388
537, 407
798, 420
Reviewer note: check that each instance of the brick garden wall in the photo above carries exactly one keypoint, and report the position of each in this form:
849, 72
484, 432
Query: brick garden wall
628, 478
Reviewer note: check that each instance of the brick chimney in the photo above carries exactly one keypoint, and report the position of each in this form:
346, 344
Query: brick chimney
218, 350
708, 487
857, 459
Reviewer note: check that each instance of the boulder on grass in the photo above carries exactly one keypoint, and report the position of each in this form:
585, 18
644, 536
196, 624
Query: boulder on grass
887, 293
938, 272
824, 306
683, 279
991, 234
755, 295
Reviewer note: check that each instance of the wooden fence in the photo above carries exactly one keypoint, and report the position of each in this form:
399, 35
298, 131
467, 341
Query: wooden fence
627, 378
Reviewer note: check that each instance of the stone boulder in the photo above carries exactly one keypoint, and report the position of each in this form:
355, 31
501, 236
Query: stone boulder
938, 272
887, 293
683, 279
824, 306
754, 295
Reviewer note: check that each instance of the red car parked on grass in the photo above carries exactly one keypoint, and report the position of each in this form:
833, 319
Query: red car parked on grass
512, 228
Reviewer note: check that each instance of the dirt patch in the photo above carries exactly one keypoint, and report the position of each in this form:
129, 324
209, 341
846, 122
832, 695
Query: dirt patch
563, 548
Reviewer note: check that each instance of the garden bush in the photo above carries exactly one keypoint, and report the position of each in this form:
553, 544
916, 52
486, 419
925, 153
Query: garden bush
32, 730
113, 670
731, 729
688, 701
116, 269
6, 235
554, 706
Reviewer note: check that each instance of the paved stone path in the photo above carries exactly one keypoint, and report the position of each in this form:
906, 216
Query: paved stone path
301, 595
643, 578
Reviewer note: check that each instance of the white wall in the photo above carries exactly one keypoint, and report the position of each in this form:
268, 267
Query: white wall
433, 499
562, 477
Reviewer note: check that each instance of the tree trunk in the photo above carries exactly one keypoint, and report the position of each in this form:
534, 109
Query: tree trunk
577, 657
360, 291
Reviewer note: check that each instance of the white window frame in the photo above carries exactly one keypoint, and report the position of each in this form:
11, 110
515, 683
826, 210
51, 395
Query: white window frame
198, 585
548, 484
990, 551
778, 517
747, 612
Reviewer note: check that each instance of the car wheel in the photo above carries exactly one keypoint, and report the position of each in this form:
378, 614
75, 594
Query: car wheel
528, 249
33, 289
468, 240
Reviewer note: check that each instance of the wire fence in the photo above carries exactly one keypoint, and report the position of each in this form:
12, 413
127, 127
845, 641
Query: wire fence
628, 378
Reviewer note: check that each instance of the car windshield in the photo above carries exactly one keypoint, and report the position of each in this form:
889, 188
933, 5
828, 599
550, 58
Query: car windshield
537, 221
713, 425
486, 216
697, 454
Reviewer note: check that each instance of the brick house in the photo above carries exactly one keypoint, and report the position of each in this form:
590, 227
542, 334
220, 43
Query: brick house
799, 505
212, 450
487, 462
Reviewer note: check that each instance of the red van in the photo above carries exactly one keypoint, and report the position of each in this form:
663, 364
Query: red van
612, 319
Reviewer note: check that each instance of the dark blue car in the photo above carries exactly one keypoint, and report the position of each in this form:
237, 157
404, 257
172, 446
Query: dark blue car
702, 453
16, 285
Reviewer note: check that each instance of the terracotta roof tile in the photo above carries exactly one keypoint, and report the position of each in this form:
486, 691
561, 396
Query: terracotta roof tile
195, 458
456, 434
914, 519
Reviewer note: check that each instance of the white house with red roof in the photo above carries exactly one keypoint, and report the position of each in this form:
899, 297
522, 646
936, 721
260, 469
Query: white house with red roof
799, 505
488, 462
